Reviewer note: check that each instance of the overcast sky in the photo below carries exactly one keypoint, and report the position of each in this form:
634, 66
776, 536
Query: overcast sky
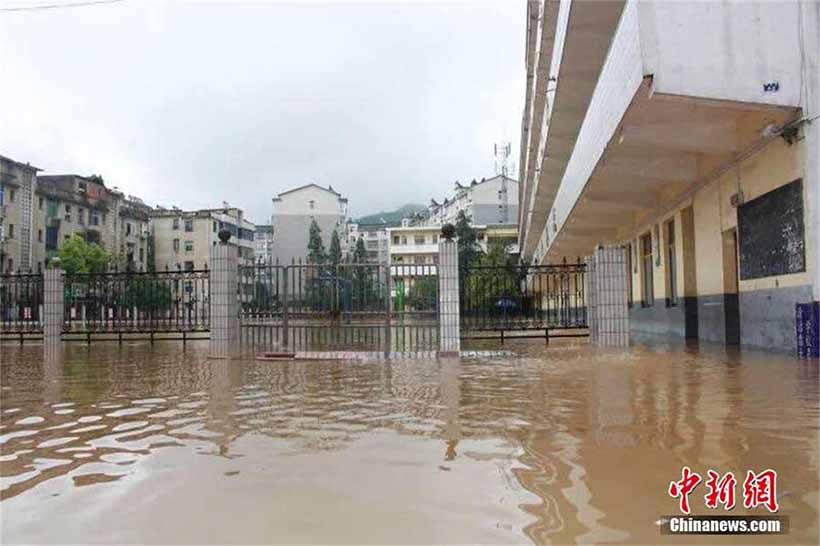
192, 103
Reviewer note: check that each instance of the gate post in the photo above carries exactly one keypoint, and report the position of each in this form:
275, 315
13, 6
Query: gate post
53, 308
448, 294
224, 302
607, 281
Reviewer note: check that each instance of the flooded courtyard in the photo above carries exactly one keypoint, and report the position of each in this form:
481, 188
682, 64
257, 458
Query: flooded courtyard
566, 444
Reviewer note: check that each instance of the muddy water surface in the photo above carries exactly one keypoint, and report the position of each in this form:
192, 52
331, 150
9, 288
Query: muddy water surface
565, 445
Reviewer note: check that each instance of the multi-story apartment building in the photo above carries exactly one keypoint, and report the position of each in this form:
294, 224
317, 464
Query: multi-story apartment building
293, 212
374, 237
413, 250
686, 132
490, 201
263, 244
17, 184
65, 205
183, 239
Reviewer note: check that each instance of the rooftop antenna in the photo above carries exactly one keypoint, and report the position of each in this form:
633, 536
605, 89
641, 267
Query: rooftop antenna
502, 152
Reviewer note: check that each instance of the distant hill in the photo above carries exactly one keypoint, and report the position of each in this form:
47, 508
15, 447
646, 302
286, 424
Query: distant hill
392, 217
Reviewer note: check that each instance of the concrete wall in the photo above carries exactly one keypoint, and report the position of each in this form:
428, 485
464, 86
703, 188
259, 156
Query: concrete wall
738, 46
292, 215
766, 305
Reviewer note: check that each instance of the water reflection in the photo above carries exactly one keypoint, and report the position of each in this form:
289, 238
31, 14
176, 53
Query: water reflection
557, 446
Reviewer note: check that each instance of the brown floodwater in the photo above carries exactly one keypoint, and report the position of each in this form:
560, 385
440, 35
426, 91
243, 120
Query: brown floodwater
141, 444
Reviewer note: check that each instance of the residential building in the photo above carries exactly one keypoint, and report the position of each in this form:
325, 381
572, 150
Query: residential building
374, 237
263, 244
69, 204
183, 239
490, 201
293, 212
687, 133
17, 184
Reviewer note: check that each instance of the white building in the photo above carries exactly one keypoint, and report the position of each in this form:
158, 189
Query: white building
687, 132
263, 244
293, 212
490, 201
375, 238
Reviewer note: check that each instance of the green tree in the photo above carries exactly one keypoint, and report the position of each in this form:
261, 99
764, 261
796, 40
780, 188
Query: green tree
316, 248
494, 276
421, 295
147, 294
468, 249
335, 253
78, 256
360, 254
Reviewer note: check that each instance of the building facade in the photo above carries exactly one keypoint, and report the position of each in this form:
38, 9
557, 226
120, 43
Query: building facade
67, 205
490, 201
293, 212
701, 160
17, 186
374, 237
263, 244
182, 240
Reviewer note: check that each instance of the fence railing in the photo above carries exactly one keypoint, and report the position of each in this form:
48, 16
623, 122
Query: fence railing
21, 303
156, 302
521, 297
338, 307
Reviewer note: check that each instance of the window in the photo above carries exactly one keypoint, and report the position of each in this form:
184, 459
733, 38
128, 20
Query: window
214, 228
189, 225
142, 254
176, 223
40, 203
189, 246
93, 218
68, 213
128, 228
189, 266
404, 240
629, 259
11, 264
39, 235
671, 265
103, 218
81, 216
11, 231
648, 286
418, 259
396, 239
435, 239
176, 245
419, 239
12, 195
311, 204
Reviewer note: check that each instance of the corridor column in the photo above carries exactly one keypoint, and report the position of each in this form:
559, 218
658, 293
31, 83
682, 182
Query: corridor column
607, 287
448, 294
224, 305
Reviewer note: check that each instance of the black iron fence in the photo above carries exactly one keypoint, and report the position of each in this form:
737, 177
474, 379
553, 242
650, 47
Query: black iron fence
522, 297
336, 307
21, 304
137, 302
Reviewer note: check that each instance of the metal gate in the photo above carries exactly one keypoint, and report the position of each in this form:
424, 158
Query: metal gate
354, 307
523, 298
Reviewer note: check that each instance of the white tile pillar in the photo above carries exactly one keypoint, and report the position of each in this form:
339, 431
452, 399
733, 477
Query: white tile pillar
589, 290
611, 313
448, 299
52, 307
224, 308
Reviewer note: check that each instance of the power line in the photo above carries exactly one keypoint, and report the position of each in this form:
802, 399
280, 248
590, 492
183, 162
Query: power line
58, 6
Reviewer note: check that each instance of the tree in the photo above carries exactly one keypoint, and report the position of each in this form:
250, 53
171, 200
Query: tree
468, 249
494, 276
316, 248
422, 294
147, 294
360, 254
335, 252
78, 256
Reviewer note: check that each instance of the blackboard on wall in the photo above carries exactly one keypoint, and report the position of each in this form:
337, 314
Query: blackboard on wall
771, 233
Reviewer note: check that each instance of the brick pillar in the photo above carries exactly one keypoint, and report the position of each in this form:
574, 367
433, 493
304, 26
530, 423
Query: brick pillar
607, 285
448, 299
52, 308
224, 309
